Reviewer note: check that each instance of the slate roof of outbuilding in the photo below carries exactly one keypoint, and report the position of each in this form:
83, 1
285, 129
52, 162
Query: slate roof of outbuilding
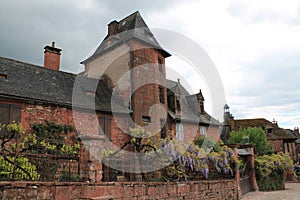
29, 82
129, 28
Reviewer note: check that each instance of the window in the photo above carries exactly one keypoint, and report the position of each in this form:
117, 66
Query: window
178, 104
160, 64
161, 95
146, 119
202, 131
9, 114
171, 102
170, 128
162, 130
179, 131
105, 126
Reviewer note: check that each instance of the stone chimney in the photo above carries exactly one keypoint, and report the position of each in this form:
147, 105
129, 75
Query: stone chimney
52, 57
113, 28
275, 122
296, 130
200, 99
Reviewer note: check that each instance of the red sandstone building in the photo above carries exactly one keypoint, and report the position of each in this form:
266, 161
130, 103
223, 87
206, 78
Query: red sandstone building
124, 85
31, 94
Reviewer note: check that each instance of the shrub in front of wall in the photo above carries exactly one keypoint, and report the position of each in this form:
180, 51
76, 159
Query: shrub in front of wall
270, 171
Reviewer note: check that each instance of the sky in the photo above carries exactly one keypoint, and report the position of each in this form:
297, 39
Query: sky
254, 44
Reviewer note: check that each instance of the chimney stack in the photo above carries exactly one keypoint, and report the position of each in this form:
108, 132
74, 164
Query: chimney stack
52, 57
113, 28
200, 99
296, 130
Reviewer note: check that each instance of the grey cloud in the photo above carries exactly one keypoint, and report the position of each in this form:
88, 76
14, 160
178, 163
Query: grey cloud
241, 11
273, 79
27, 26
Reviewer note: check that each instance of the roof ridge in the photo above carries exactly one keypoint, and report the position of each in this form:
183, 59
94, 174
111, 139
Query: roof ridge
135, 13
259, 118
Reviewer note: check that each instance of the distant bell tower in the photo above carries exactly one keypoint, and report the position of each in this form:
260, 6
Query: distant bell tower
226, 124
226, 116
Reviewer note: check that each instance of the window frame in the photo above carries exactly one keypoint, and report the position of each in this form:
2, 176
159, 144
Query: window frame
179, 131
160, 64
105, 125
203, 131
14, 113
163, 128
161, 95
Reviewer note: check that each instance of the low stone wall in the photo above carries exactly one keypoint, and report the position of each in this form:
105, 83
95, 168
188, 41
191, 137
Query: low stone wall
217, 189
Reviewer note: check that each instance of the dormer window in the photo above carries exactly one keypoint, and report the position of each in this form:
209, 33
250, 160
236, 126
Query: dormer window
269, 130
171, 102
178, 107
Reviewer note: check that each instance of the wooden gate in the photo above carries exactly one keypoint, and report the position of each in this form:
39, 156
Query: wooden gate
245, 182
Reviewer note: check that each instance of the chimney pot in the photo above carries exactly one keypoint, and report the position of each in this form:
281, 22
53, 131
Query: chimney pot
52, 57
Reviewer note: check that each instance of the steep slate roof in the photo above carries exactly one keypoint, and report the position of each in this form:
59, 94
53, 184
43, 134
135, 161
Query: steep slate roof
188, 114
276, 132
38, 84
176, 88
131, 27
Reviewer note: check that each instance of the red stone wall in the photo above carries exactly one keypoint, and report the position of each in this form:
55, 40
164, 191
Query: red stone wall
192, 131
219, 189
87, 122
277, 145
214, 132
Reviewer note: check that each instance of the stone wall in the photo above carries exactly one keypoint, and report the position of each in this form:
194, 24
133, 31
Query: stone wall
277, 145
217, 189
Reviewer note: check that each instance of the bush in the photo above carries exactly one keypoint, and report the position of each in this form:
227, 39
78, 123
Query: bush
270, 171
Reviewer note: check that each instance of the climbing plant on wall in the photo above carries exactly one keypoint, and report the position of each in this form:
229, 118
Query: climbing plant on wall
182, 160
14, 166
34, 153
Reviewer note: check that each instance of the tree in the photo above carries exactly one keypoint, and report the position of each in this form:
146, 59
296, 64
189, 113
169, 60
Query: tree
252, 135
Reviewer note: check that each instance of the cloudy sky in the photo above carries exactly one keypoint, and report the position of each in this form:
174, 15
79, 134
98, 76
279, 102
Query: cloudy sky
254, 44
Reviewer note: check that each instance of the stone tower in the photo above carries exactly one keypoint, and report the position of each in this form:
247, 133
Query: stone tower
131, 58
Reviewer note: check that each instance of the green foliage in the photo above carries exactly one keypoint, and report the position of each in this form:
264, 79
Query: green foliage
276, 162
14, 167
48, 138
256, 136
183, 160
24, 171
270, 170
65, 176
208, 143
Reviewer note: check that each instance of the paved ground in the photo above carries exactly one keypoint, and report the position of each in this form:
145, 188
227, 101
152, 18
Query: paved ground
291, 192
